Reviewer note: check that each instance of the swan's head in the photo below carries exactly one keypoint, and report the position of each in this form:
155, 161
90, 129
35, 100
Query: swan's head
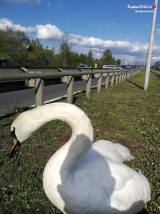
15, 143
21, 129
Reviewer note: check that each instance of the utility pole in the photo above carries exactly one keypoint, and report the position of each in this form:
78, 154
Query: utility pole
150, 48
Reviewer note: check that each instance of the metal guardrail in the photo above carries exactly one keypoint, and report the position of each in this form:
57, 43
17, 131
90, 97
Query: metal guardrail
35, 76
156, 71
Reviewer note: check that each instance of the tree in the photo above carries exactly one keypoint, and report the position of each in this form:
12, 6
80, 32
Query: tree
118, 61
75, 59
13, 45
90, 59
107, 57
38, 56
50, 57
16, 47
65, 55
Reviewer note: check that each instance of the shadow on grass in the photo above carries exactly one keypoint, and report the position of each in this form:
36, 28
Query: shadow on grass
140, 87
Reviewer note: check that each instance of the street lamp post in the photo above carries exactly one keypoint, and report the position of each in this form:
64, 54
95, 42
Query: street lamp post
149, 57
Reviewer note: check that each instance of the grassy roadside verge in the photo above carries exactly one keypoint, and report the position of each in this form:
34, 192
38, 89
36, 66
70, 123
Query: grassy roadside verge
124, 114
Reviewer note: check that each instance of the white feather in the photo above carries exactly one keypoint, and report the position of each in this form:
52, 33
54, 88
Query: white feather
113, 151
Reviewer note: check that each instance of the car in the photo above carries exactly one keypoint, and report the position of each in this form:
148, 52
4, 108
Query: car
126, 66
134, 66
118, 67
84, 66
5, 62
109, 67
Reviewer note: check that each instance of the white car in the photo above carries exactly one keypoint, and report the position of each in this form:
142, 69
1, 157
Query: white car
109, 67
84, 66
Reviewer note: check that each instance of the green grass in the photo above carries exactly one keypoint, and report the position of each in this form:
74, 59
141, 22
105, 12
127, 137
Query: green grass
124, 114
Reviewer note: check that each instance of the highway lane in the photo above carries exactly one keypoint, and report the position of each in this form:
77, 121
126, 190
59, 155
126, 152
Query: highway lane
26, 97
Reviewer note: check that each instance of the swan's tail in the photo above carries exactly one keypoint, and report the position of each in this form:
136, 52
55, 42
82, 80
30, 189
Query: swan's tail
113, 151
126, 155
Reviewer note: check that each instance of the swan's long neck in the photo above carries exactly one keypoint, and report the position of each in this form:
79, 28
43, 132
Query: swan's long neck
82, 131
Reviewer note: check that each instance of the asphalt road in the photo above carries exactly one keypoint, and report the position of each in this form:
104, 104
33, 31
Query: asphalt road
26, 98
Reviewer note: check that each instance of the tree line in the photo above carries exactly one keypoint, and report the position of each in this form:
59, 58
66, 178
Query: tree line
18, 48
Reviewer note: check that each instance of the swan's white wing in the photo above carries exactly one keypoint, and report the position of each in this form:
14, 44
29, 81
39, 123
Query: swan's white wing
113, 151
110, 185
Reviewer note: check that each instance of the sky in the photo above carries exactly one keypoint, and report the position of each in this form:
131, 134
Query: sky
123, 26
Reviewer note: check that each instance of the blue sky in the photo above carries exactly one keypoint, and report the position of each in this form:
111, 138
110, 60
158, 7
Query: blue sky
123, 26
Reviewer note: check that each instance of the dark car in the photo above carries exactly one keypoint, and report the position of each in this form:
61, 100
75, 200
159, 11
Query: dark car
5, 62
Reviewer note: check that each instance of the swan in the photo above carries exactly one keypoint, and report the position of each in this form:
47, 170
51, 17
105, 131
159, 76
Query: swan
82, 176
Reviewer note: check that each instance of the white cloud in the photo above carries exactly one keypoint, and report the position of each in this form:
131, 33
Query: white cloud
97, 42
125, 50
4, 23
48, 31
134, 52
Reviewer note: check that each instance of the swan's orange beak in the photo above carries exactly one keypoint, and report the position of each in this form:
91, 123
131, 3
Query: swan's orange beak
14, 148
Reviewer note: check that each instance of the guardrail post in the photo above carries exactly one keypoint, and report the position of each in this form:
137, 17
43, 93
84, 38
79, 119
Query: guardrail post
99, 83
123, 77
88, 86
107, 81
70, 84
112, 80
117, 75
120, 77
128, 75
39, 92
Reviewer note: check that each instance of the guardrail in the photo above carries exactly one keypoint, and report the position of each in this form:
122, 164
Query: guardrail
156, 71
35, 76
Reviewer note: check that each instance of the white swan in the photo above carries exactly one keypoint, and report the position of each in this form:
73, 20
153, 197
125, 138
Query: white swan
80, 178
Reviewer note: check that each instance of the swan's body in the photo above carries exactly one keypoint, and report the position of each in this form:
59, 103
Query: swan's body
81, 178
